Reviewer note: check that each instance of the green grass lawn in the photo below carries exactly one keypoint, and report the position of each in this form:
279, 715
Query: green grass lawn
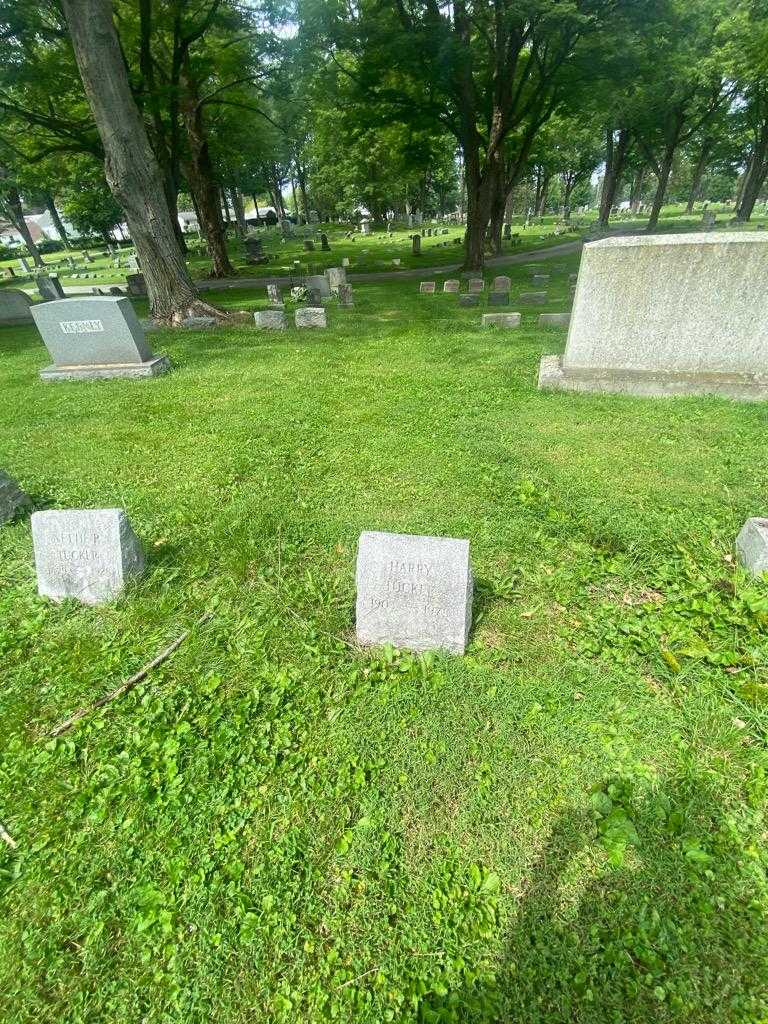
565, 825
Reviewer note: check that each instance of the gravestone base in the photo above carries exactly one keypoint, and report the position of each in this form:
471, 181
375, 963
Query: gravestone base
155, 367
553, 376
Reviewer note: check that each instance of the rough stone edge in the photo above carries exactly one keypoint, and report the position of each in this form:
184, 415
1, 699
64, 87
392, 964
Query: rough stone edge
152, 368
552, 377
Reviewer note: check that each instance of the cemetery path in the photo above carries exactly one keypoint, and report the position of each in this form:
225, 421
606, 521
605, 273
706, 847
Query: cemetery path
374, 277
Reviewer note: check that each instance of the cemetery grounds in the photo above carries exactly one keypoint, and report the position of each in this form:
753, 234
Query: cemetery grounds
566, 824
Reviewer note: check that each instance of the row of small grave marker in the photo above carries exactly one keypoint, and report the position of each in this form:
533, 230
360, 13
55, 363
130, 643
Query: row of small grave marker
413, 592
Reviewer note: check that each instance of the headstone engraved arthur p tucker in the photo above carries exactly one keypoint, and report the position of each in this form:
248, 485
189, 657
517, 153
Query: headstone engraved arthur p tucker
413, 592
95, 337
87, 554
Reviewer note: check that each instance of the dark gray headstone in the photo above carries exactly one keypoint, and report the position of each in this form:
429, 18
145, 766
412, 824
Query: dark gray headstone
15, 307
498, 298
12, 498
49, 287
95, 337
137, 286
469, 300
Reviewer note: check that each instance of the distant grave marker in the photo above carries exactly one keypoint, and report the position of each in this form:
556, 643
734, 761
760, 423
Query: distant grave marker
452, 286
554, 319
311, 316
501, 319
49, 287
270, 319
427, 288
15, 307
752, 546
12, 499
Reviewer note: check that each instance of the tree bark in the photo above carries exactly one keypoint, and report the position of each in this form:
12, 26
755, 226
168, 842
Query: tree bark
132, 170
615, 158
57, 222
665, 168
698, 174
478, 211
13, 201
239, 208
755, 176
202, 182
301, 178
636, 191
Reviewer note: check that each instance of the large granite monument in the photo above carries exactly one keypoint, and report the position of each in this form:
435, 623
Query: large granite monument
668, 315
87, 554
95, 337
413, 592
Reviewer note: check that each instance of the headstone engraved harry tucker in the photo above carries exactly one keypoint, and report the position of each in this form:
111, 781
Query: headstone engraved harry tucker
87, 554
95, 337
413, 592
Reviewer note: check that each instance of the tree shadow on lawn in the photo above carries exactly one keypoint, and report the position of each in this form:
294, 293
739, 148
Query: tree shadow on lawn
674, 930
16, 338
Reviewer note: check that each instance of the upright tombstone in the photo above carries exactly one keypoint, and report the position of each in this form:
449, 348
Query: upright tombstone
501, 319
345, 261
137, 285
416, 245
270, 319
309, 245
311, 316
15, 307
86, 554
132, 263
365, 226
49, 287
286, 227
12, 499
314, 217
254, 251
452, 286
274, 295
413, 592
93, 338
752, 546
476, 285
427, 288
708, 219
336, 276
468, 299
533, 298
324, 242
344, 293
319, 283
501, 283
668, 315
498, 298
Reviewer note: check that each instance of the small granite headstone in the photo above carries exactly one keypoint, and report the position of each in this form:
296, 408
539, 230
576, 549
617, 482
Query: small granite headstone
311, 316
501, 319
309, 245
15, 307
345, 295
476, 285
534, 298
502, 283
345, 261
413, 592
416, 245
554, 319
469, 300
335, 276
95, 337
270, 319
137, 286
12, 498
324, 242
498, 298
49, 287
274, 294
752, 546
427, 288
319, 282
451, 286
87, 554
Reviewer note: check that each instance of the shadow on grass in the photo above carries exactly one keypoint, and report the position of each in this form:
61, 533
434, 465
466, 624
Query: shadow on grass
673, 931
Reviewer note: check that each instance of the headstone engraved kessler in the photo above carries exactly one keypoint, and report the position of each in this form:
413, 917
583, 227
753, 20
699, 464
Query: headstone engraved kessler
95, 337
668, 315
413, 592
87, 554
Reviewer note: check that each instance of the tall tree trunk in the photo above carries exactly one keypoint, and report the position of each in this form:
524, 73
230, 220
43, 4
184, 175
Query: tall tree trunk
57, 222
498, 205
132, 170
15, 213
755, 176
202, 180
239, 208
698, 174
543, 194
224, 202
256, 205
636, 189
301, 177
616, 153
665, 168
478, 211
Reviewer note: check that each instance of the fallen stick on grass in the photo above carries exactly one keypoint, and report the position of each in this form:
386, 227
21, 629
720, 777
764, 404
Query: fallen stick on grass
7, 837
67, 724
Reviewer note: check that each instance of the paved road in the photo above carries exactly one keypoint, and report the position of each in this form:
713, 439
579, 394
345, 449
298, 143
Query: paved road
508, 259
